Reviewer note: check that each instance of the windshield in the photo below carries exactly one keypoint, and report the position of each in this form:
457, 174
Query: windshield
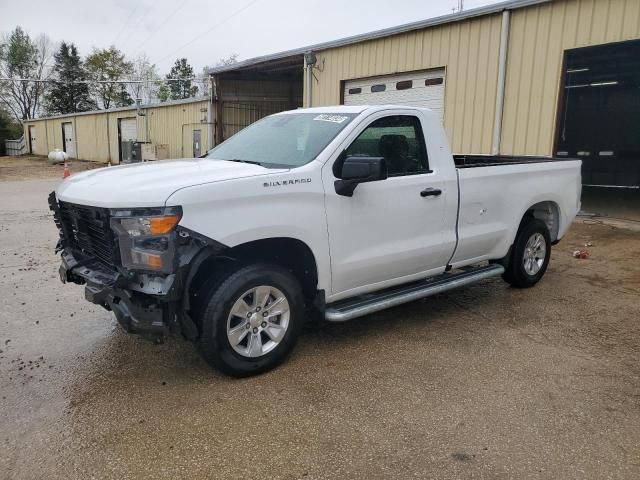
289, 140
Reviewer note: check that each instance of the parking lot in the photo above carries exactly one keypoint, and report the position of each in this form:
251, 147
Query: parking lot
483, 382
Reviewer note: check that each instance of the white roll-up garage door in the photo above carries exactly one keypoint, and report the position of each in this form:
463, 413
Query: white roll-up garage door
128, 129
417, 89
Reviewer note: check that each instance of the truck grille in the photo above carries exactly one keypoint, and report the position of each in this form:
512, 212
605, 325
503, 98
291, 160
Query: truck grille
87, 230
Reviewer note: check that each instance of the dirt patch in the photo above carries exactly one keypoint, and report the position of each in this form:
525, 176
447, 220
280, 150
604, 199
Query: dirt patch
36, 167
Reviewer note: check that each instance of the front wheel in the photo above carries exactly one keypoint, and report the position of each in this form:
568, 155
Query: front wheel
251, 320
530, 255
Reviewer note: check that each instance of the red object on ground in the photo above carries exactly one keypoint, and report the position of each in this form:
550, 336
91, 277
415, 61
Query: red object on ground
66, 171
582, 254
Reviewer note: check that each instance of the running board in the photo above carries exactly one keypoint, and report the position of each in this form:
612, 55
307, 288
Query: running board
365, 304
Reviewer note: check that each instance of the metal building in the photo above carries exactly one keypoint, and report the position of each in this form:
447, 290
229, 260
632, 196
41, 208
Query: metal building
182, 126
522, 77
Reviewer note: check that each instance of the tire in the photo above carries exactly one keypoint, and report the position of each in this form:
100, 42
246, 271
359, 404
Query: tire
238, 309
530, 255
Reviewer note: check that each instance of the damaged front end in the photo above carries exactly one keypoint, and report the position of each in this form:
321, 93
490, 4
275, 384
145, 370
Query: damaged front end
134, 262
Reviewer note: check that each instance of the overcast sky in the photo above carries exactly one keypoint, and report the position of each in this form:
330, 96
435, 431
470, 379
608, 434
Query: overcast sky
205, 31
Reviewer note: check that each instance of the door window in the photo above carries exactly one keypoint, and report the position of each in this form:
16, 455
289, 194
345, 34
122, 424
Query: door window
399, 140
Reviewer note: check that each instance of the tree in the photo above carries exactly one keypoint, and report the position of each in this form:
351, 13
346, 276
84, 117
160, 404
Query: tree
144, 71
10, 129
105, 67
223, 62
164, 93
181, 86
69, 92
230, 60
22, 58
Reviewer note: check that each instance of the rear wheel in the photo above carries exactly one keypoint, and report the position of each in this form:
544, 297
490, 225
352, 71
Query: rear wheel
530, 255
251, 320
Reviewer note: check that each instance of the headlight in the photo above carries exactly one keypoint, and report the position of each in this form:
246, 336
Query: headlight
146, 237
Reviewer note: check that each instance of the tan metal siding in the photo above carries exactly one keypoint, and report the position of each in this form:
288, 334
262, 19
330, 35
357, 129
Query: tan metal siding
539, 36
40, 135
54, 135
467, 49
166, 127
97, 134
91, 136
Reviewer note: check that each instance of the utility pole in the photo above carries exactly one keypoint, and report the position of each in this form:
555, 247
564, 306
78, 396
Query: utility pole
460, 5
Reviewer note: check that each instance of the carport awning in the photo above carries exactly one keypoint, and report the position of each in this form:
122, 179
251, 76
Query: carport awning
261, 66
248, 91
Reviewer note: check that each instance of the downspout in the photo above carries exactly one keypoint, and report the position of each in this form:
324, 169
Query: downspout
309, 62
147, 134
502, 74
210, 115
108, 139
309, 75
75, 137
46, 136
218, 117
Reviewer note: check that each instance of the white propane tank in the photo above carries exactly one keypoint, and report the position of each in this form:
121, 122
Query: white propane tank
57, 156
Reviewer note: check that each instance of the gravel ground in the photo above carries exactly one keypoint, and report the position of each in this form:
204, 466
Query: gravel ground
33, 167
483, 382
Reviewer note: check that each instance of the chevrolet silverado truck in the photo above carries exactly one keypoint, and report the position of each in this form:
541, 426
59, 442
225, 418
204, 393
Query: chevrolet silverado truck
337, 211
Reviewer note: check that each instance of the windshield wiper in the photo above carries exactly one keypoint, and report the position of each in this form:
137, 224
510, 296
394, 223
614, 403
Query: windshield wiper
243, 161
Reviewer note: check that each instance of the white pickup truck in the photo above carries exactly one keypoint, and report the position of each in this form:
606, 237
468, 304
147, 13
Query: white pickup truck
343, 211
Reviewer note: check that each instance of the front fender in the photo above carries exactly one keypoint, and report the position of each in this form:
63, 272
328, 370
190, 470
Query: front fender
248, 209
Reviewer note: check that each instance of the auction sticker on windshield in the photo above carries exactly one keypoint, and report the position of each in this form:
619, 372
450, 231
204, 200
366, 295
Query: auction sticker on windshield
330, 118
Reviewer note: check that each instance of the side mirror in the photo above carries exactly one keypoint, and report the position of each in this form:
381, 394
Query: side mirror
357, 170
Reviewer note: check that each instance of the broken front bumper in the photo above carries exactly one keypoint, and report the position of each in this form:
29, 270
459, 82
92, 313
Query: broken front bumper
139, 303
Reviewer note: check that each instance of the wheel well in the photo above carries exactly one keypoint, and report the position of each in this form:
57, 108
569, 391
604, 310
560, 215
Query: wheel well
549, 213
290, 253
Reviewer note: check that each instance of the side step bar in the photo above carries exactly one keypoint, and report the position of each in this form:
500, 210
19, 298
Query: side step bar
374, 302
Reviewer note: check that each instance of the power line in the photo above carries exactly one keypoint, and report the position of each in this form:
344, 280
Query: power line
129, 17
162, 24
133, 29
197, 37
80, 82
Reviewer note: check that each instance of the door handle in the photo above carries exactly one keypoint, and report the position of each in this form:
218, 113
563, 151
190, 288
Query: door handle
430, 192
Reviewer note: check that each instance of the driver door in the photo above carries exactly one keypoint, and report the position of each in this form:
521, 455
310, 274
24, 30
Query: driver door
389, 232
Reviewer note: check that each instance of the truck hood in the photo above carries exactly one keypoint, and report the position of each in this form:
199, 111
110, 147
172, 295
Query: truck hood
150, 184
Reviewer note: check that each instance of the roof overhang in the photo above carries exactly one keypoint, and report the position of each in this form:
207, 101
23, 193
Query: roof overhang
270, 67
145, 106
296, 56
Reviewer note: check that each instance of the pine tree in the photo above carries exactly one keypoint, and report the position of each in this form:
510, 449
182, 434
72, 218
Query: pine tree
178, 89
123, 99
65, 96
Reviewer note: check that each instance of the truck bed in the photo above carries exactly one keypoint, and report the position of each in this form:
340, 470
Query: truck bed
493, 200
474, 161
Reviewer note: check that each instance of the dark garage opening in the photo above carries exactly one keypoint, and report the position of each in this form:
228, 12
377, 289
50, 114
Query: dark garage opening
599, 113
245, 93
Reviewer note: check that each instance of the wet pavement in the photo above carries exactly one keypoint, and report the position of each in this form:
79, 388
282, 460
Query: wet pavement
483, 382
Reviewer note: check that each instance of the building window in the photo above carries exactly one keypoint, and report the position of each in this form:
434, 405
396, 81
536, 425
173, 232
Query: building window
378, 88
353, 91
433, 81
404, 85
